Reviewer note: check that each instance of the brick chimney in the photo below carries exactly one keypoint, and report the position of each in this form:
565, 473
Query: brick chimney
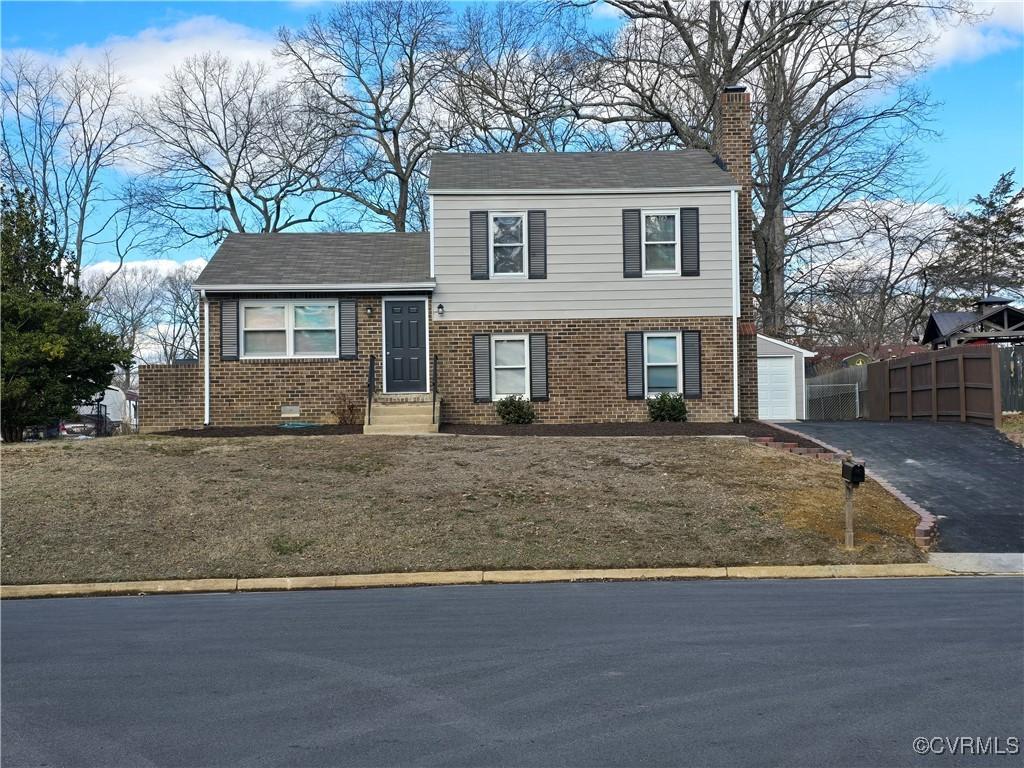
733, 144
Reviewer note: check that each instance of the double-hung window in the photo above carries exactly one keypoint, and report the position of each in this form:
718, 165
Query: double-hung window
662, 363
510, 366
289, 328
661, 242
508, 250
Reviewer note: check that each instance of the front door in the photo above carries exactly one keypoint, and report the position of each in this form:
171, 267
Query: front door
405, 345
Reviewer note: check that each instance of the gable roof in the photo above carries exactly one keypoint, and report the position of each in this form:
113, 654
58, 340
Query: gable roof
942, 325
311, 260
566, 171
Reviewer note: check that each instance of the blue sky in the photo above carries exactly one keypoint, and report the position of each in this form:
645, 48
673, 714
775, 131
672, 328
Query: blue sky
978, 78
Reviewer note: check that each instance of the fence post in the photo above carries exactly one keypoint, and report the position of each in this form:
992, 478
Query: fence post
997, 390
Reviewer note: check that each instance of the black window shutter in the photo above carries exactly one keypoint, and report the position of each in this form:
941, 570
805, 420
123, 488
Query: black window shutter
691, 364
479, 268
347, 322
634, 365
537, 225
481, 367
538, 367
631, 266
689, 242
229, 330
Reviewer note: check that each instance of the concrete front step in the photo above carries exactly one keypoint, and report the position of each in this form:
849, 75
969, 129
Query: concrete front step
402, 397
400, 429
391, 417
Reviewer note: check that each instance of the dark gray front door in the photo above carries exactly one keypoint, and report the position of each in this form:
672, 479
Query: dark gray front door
405, 346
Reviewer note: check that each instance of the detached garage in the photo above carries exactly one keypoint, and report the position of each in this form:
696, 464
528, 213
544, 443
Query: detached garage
780, 379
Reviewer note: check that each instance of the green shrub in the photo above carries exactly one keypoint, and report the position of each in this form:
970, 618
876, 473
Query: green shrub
667, 406
515, 410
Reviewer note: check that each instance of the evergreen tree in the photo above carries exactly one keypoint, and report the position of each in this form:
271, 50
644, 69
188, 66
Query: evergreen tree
52, 355
987, 254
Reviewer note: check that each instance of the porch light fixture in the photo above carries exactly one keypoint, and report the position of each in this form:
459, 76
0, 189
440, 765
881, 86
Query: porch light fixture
440, 309
369, 309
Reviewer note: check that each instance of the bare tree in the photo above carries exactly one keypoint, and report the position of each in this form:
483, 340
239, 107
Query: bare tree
503, 69
126, 304
230, 151
175, 331
881, 288
833, 111
64, 130
373, 65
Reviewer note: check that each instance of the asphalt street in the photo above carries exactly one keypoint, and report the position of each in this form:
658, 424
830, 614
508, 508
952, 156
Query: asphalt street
809, 673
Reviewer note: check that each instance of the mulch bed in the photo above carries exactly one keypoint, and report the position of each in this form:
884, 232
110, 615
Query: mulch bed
268, 430
632, 429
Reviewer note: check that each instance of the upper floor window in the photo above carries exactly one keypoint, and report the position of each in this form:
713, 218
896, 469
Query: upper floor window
508, 244
661, 242
289, 329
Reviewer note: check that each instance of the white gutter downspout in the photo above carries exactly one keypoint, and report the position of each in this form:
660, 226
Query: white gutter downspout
735, 219
206, 358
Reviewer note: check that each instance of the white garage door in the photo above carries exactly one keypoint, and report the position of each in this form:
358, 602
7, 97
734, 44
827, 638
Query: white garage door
776, 395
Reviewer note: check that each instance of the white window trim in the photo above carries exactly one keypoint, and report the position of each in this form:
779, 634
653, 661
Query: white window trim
289, 329
679, 359
490, 245
525, 338
674, 213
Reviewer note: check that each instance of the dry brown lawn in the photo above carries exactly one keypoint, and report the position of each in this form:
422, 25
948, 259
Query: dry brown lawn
1013, 427
147, 507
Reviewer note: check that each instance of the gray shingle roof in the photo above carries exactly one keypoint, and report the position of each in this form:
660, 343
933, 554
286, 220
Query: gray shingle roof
576, 170
319, 258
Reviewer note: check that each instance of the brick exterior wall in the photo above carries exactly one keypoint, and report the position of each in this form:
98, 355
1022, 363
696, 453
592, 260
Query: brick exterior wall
586, 368
733, 144
251, 392
170, 396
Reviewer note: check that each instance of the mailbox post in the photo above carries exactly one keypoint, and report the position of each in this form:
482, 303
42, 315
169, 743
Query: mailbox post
853, 475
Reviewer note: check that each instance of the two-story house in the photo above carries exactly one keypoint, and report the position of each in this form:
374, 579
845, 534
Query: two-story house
585, 282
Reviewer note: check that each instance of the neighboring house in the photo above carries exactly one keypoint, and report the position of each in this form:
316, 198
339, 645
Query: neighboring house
780, 379
585, 282
994, 320
830, 358
115, 411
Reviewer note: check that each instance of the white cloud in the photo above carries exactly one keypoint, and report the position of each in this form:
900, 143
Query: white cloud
148, 56
163, 267
1003, 29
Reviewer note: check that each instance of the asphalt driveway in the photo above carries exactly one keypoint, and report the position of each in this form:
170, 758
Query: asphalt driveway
971, 477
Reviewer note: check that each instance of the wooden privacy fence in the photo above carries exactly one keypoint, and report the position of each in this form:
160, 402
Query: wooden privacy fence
1011, 380
954, 384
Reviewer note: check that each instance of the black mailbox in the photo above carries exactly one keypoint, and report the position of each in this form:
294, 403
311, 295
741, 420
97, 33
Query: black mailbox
853, 472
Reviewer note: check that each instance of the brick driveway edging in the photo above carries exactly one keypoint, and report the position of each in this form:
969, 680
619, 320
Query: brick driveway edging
927, 526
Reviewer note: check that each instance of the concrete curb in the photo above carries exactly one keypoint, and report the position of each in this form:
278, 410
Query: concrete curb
927, 527
427, 578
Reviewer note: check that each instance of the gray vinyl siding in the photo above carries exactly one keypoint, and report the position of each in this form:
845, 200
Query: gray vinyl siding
584, 260
768, 348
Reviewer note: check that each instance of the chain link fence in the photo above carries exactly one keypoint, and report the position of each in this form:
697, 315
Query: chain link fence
838, 396
834, 402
